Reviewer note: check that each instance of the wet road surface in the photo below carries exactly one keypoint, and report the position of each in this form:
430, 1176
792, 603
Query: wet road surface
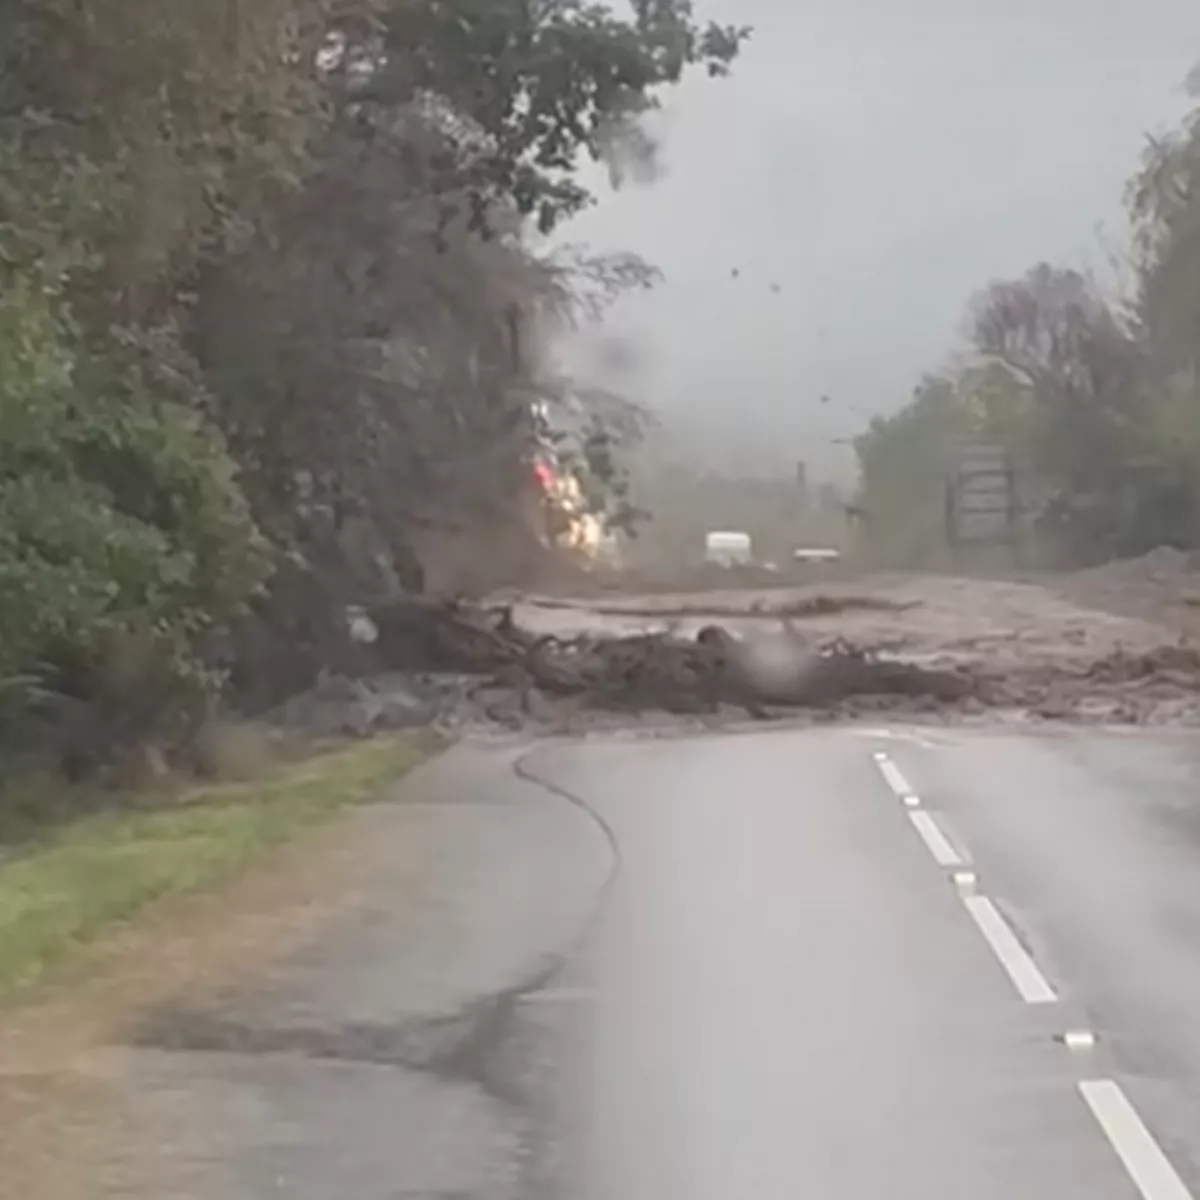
797, 991
832, 963
1093, 844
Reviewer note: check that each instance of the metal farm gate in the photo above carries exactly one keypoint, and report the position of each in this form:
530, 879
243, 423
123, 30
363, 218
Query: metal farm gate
982, 512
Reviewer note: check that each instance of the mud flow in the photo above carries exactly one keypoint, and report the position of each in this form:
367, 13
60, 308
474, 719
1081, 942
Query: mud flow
939, 646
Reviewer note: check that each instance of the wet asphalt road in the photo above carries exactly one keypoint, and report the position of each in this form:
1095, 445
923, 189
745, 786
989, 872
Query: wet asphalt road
791, 989
797, 992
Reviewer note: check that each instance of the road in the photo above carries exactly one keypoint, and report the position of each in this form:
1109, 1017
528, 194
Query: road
747, 964
798, 991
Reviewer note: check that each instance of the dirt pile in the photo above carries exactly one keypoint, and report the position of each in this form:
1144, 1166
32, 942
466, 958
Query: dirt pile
1156, 686
1162, 586
1161, 564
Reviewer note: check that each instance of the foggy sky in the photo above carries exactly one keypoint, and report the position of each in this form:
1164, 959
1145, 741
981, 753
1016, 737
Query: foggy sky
880, 161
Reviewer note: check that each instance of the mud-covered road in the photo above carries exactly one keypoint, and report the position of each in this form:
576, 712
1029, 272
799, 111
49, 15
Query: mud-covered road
1093, 647
926, 616
1036, 651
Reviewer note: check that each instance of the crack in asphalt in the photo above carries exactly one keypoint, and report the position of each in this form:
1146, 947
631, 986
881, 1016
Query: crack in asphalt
461, 1046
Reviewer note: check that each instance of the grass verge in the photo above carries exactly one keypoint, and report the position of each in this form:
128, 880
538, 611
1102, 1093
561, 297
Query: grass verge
70, 888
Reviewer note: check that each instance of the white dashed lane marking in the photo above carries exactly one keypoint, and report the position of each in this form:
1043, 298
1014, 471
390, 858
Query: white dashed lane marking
1030, 983
1142, 1157
893, 778
944, 854
1146, 1164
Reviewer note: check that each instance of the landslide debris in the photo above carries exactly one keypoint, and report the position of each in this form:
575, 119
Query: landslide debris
659, 670
818, 605
464, 665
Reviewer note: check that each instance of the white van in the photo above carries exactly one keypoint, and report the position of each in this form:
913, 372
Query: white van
727, 548
816, 554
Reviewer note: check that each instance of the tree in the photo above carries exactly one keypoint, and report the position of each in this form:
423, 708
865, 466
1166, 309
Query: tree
1063, 385
1164, 206
124, 539
271, 279
1163, 199
1083, 371
532, 86
377, 341
904, 463
1096, 398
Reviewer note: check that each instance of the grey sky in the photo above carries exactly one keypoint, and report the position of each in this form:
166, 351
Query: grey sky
879, 160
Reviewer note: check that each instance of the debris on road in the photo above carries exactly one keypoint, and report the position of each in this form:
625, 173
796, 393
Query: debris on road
933, 646
647, 670
819, 605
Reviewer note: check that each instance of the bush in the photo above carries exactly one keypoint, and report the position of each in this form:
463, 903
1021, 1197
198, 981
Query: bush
123, 534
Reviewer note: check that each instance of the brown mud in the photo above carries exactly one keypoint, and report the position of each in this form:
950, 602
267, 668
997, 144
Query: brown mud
918, 645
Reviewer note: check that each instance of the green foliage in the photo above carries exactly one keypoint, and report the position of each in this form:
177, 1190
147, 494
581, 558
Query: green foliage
539, 84
120, 518
267, 267
1098, 408
76, 882
1165, 212
904, 462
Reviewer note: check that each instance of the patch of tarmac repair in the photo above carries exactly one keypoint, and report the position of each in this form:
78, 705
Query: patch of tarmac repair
462, 1047
455, 1048
468, 1047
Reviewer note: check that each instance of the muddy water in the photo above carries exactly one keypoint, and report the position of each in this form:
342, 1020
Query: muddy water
1043, 654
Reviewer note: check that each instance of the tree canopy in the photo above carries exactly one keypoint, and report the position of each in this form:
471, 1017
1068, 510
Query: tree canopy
1096, 396
271, 307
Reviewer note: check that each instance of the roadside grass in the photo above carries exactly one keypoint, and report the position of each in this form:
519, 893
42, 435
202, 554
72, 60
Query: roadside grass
68, 888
